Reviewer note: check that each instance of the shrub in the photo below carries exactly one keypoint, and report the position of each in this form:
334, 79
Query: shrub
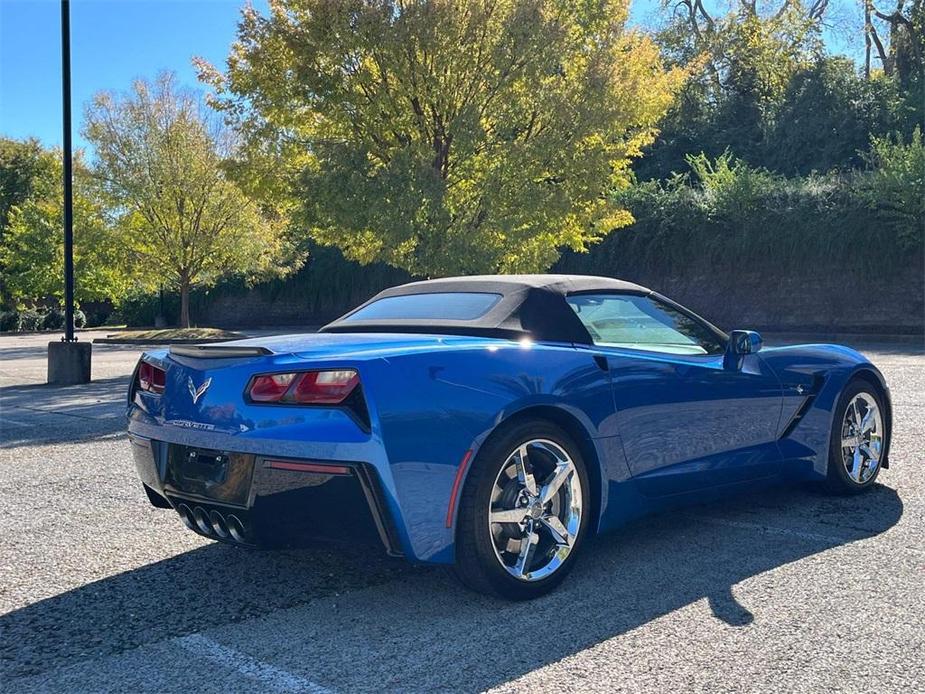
725, 216
141, 310
895, 188
30, 320
95, 316
731, 190
10, 321
53, 319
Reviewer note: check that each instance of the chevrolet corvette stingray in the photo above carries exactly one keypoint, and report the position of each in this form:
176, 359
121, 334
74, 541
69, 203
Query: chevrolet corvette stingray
493, 423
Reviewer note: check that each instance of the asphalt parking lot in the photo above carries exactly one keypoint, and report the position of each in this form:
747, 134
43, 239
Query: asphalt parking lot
786, 590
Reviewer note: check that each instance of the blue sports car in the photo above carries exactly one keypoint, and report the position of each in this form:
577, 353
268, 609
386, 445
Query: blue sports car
492, 423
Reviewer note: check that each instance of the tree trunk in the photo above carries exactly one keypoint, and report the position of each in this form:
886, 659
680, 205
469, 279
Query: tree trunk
184, 300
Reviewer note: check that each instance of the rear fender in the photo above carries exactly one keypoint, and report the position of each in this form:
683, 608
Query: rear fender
603, 455
432, 409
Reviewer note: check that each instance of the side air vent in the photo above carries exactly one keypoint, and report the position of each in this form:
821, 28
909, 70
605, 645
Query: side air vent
804, 407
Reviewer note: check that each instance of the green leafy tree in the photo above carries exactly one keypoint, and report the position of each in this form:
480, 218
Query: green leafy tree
743, 60
827, 116
21, 163
159, 158
904, 57
33, 250
746, 47
445, 137
897, 35
764, 88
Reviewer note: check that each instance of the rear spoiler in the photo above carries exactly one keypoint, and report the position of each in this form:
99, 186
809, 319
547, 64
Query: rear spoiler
217, 351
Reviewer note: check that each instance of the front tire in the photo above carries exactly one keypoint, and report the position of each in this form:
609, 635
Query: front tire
859, 439
523, 512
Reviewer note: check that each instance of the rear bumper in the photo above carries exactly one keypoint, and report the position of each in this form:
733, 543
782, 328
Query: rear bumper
269, 501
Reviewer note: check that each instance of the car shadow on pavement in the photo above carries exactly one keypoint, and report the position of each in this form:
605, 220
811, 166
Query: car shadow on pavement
44, 414
400, 627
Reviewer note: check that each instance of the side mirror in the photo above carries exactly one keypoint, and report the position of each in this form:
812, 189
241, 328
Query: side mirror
744, 342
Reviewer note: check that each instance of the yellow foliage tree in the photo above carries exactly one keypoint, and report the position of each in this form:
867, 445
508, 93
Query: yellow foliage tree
441, 136
185, 222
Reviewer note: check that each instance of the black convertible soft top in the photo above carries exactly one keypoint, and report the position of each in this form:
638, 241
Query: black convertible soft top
530, 306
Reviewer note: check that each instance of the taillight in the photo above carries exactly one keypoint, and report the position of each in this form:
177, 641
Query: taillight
326, 387
151, 378
270, 388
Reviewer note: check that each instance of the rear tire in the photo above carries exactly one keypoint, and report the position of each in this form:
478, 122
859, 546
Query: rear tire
858, 440
543, 507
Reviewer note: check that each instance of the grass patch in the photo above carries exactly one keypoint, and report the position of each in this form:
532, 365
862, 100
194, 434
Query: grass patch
176, 334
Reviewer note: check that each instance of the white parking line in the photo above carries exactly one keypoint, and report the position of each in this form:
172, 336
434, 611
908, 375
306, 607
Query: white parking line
268, 675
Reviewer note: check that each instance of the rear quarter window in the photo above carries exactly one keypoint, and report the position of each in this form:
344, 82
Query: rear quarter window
434, 306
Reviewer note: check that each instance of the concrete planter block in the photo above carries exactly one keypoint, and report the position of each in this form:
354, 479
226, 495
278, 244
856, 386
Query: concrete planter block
69, 363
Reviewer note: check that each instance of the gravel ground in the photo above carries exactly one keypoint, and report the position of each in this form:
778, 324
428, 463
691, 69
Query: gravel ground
786, 590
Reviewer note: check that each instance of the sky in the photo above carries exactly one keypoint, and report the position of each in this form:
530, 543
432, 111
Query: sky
114, 42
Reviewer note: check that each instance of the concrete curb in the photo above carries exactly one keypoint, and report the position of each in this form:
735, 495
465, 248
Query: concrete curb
133, 341
840, 338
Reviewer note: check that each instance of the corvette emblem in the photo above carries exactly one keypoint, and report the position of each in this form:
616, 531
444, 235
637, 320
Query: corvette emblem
195, 392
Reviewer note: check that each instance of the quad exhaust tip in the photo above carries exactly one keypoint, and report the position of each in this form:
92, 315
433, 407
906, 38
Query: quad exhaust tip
213, 523
201, 516
186, 515
218, 524
236, 529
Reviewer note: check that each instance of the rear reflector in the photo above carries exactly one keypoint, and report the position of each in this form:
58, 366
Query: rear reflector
454, 492
325, 387
297, 466
151, 379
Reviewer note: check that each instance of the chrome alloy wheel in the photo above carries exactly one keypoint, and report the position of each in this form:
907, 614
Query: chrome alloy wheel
861, 438
535, 510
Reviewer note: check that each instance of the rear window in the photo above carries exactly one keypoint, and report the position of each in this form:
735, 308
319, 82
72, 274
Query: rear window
436, 306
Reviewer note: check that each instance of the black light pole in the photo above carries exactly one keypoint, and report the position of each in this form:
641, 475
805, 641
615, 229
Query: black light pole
68, 359
68, 174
